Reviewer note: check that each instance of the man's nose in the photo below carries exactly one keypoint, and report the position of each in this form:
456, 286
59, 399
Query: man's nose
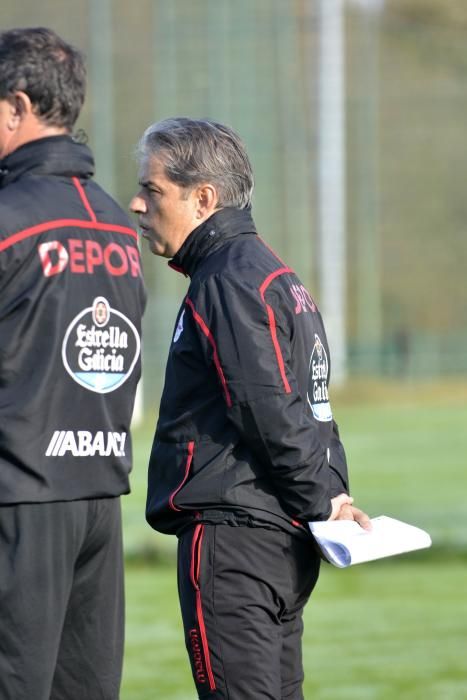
137, 205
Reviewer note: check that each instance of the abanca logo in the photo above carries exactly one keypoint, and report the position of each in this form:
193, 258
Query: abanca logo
83, 443
100, 348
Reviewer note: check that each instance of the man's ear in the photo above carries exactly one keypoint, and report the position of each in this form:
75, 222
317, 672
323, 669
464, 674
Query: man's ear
207, 199
20, 108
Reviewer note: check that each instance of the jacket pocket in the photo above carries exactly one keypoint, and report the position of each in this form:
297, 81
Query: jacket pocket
169, 469
187, 466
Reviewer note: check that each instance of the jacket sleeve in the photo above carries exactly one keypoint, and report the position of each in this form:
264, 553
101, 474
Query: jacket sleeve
337, 464
274, 422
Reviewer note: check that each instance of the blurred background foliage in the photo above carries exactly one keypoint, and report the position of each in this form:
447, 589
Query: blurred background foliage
255, 64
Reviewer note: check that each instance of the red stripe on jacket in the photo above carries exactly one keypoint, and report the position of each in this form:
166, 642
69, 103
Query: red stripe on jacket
64, 223
189, 459
272, 324
215, 355
84, 198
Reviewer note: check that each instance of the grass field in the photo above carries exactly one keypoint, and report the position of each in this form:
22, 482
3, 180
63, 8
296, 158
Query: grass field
374, 632
379, 631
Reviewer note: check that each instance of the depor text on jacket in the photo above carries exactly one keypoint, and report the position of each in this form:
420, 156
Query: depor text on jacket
71, 300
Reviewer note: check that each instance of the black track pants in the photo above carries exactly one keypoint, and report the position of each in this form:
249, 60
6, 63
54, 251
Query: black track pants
61, 601
242, 592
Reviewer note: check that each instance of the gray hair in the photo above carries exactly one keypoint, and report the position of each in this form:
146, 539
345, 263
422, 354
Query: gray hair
196, 151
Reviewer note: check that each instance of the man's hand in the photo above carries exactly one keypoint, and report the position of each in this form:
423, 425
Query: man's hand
342, 509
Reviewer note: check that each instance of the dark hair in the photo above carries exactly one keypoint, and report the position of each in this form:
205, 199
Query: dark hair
200, 150
50, 71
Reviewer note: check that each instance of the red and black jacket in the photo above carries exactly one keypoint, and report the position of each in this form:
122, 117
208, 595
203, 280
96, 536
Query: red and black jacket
245, 431
71, 301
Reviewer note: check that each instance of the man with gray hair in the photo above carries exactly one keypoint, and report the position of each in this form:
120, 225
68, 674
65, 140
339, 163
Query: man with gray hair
246, 450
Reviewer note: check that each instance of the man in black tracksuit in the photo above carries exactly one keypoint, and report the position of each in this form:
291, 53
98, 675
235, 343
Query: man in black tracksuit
246, 450
71, 300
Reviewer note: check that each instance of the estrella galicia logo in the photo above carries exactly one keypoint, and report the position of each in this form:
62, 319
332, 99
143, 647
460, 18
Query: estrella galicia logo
318, 397
100, 348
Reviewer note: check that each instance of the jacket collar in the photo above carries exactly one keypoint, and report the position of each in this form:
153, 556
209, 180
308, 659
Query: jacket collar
212, 234
53, 155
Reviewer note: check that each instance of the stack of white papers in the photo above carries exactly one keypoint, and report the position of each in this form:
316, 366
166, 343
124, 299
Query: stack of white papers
345, 542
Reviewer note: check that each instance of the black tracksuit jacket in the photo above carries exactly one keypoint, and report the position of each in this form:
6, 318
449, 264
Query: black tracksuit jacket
71, 301
245, 432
